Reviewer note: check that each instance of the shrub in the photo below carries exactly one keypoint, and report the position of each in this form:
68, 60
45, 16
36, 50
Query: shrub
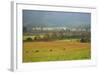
51, 50
83, 40
29, 39
37, 37
46, 36
37, 51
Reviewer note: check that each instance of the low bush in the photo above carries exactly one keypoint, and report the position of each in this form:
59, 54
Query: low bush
29, 39
83, 40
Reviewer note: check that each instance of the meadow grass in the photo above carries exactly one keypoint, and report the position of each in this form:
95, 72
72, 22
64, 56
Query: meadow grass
55, 51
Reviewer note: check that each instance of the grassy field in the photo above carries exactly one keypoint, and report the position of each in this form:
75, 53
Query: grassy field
55, 51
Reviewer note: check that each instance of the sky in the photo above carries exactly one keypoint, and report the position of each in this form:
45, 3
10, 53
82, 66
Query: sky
55, 19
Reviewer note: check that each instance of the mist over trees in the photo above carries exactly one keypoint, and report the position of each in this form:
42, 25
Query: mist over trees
46, 33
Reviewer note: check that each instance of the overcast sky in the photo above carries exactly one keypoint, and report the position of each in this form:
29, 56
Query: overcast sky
50, 18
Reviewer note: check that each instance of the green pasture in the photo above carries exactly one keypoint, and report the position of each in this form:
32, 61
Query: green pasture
58, 50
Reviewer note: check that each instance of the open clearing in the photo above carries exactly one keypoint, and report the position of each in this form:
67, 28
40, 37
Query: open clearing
55, 51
